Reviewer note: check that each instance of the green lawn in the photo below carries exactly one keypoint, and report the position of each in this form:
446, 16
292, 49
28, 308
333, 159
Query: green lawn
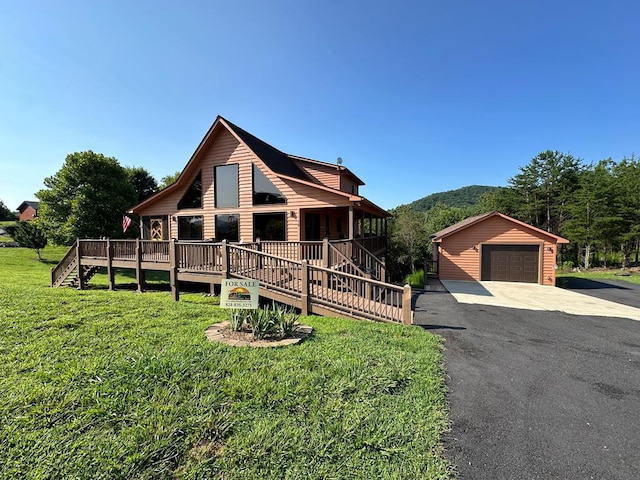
100, 384
613, 274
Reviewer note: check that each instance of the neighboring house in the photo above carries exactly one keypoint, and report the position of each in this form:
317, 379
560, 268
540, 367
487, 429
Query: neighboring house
238, 188
28, 211
493, 246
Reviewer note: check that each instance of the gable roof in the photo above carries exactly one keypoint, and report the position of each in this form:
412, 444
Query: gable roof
467, 222
277, 161
23, 206
282, 164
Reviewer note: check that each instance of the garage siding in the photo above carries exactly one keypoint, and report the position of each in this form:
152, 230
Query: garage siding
459, 254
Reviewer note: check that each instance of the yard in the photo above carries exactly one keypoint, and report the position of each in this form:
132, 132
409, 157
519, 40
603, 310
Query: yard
118, 384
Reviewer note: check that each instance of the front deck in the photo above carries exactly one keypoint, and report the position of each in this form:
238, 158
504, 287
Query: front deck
316, 277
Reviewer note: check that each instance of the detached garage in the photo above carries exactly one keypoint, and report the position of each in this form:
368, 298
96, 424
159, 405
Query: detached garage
496, 247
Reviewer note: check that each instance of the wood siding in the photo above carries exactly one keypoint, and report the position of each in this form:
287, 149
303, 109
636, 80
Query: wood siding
459, 254
330, 176
225, 149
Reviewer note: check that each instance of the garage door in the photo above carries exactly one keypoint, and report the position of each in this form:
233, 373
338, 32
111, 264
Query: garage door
510, 263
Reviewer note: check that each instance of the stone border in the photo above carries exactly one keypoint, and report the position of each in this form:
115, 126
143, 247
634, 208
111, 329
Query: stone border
214, 334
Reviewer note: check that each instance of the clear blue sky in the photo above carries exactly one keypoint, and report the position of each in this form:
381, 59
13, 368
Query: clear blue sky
416, 96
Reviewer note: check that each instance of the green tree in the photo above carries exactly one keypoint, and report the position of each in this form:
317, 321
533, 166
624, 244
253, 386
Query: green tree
28, 235
543, 189
627, 188
593, 219
408, 240
5, 213
143, 182
168, 180
86, 198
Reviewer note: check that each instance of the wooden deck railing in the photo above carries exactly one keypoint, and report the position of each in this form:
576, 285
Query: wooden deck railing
198, 257
345, 290
154, 251
291, 250
368, 261
373, 243
342, 292
339, 261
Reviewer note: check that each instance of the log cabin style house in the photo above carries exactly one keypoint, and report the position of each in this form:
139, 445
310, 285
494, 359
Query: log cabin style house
238, 188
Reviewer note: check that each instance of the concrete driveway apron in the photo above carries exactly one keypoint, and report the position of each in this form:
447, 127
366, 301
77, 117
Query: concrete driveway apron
530, 296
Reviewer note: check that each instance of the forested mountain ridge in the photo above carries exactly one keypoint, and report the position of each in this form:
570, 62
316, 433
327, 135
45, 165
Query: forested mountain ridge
462, 197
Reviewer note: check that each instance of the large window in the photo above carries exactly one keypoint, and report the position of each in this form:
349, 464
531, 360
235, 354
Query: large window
269, 226
190, 228
264, 191
227, 227
226, 185
192, 198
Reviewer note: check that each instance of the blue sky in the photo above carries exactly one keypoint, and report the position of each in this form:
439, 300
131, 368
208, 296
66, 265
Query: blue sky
416, 96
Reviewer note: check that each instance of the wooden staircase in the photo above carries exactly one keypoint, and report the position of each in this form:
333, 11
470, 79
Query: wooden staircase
66, 273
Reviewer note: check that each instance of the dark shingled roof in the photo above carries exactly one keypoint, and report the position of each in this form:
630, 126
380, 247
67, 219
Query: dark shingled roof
34, 205
276, 160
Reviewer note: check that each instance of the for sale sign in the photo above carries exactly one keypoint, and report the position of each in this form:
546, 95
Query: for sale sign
238, 293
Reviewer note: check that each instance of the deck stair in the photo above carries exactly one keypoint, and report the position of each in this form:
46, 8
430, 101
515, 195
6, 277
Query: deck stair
326, 282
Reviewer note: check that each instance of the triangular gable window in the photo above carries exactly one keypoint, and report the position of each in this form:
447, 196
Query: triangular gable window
192, 198
264, 191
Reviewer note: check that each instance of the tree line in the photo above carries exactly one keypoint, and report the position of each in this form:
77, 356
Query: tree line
595, 206
86, 198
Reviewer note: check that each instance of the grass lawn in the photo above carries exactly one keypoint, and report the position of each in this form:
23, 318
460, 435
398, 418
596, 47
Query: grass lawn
613, 274
100, 384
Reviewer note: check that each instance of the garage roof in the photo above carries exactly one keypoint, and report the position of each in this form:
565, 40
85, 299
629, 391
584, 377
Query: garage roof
467, 222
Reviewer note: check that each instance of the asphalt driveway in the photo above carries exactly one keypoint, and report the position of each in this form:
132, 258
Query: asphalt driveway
538, 394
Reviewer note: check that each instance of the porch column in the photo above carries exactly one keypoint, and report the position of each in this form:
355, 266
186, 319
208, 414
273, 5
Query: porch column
351, 223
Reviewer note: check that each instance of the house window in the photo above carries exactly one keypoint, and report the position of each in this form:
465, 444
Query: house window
264, 191
226, 185
269, 226
190, 228
227, 227
192, 198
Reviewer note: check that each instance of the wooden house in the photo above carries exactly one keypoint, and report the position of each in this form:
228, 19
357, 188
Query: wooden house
238, 188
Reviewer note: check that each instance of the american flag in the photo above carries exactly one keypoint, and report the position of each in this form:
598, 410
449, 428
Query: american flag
126, 223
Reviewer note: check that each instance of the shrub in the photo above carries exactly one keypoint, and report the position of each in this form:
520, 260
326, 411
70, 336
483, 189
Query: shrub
415, 279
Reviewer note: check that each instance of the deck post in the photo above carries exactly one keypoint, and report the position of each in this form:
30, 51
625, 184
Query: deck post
325, 260
225, 259
110, 272
351, 223
304, 297
140, 275
383, 270
367, 287
259, 249
406, 305
173, 269
79, 263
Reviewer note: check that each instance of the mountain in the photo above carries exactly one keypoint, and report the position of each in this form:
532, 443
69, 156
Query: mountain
462, 197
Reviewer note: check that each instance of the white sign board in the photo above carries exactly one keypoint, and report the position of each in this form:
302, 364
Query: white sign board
238, 293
